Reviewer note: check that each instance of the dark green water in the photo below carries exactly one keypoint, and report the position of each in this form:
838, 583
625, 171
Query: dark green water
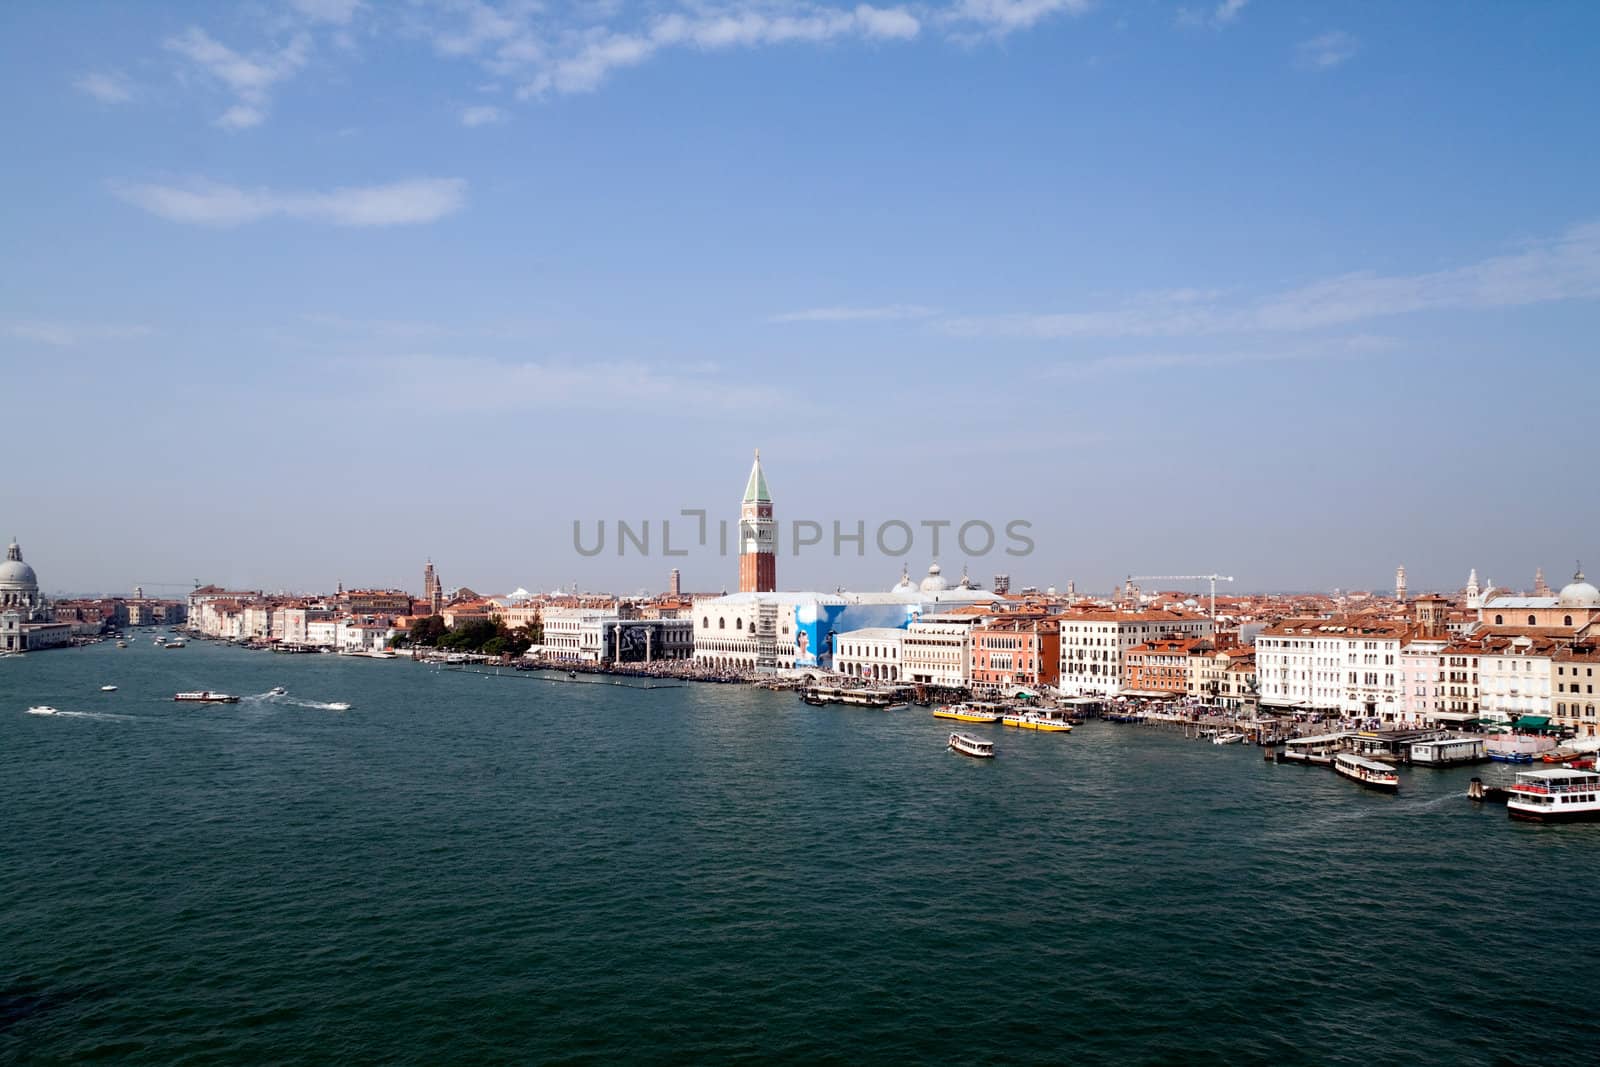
465, 870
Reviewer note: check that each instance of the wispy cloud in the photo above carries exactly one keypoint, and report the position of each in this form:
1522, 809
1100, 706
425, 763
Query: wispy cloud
67, 334
482, 115
1221, 15
475, 385
856, 314
108, 87
1357, 347
604, 51
1001, 17
1564, 268
208, 203
337, 12
249, 78
1326, 51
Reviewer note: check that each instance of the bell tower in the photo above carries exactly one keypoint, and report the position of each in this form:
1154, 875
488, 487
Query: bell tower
758, 560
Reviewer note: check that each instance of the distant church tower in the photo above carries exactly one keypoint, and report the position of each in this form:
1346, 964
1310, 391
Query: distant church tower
1474, 599
1400, 583
1540, 587
432, 590
758, 560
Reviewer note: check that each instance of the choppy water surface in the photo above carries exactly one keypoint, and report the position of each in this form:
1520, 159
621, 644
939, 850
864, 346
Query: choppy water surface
470, 869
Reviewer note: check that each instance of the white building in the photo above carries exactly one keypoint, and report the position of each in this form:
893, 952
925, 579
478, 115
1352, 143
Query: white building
575, 633
25, 620
1344, 665
1093, 644
873, 653
1514, 675
938, 650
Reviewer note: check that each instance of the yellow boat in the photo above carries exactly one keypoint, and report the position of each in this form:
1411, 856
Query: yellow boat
1036, 722
966, 713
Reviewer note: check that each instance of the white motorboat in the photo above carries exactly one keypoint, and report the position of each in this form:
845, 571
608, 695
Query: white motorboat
277, 691
1370, 773
339, 705
1227, 739
42, 709
108, 689
1555, 796
968, 745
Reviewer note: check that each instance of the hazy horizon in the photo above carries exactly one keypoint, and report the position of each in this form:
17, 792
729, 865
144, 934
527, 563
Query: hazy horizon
307, 291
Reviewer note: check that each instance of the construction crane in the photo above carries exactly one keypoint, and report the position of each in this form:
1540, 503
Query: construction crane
1212, 578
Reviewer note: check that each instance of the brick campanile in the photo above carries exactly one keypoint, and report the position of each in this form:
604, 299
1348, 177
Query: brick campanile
758, 560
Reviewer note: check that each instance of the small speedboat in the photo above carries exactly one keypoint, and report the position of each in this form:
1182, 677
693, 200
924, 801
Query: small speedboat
968, 745
42, 709
277, 691
108, 689
338, 705
1227, 739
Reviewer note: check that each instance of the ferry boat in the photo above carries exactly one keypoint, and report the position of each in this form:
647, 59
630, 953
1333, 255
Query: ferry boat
1555, 795
1028, 720
967, 713
205, 696
968, 745
1314, 750
1368, 772
176, 642
42, 709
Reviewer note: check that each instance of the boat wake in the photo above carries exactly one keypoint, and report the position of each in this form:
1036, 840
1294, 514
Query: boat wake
103, 716
315, 705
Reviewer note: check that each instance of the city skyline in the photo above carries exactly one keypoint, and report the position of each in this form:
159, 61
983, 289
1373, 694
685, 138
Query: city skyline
308, 291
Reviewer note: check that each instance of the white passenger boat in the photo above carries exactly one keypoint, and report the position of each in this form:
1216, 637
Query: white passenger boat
968, 745
42, 709
1368, 772
205, 696
176, 642
1555, 795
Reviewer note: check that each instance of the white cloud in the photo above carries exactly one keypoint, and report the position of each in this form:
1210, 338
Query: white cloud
1563, 268
1356, 347
483, 115
107, 87
604, 51
1327, 50
67, 334
476, 385
250, 78
1225, 12
855, 314
1228, 10
1001, 17
207, 203
338, 12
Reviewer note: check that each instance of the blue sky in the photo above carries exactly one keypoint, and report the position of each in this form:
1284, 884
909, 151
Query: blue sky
297, 292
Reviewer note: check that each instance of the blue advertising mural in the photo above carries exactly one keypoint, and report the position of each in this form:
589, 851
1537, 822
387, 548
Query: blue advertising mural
817, 625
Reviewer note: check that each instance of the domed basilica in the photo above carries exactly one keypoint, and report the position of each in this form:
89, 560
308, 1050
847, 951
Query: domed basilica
25, 621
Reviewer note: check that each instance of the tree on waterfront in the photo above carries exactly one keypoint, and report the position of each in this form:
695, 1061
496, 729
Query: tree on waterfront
427, 630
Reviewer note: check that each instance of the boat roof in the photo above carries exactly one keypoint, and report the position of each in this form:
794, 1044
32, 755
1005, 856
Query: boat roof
1558, 774
1362, 761
1319, 739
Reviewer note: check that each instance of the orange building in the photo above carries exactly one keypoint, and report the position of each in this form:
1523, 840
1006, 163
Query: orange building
1159, 667
1013, 650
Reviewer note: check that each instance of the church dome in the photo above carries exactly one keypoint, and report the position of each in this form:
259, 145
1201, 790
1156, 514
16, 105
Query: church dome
934, 582
1579, 594
15, 574
904, 584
